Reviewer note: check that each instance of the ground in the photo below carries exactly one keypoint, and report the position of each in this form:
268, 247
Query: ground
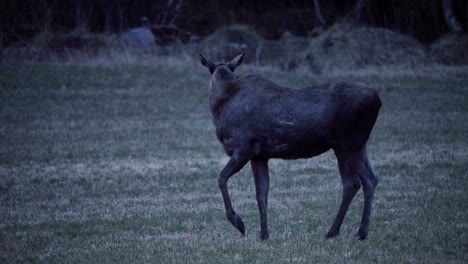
108, 163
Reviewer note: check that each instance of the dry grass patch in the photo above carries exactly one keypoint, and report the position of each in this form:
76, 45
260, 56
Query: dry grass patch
118, 163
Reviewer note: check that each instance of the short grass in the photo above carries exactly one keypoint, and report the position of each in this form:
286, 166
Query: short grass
118, 163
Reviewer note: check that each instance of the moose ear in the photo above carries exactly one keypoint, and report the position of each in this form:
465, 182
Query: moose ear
236, 62
208, 64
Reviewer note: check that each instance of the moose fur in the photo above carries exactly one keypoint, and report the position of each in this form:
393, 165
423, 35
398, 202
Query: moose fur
257, 120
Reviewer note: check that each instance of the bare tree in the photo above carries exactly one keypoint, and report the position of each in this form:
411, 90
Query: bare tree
83, 11
175, 11
169, 14
356, 13
450, 18
318, 14
113, 15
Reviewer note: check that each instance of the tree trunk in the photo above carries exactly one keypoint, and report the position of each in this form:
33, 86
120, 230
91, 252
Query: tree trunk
83, 14
119, 16
318, 14
175, 11
356, 13
113, 16
79, 14
450, 18
169, 14
108, 14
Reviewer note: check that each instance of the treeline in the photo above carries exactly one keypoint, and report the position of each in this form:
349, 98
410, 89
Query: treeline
423, 19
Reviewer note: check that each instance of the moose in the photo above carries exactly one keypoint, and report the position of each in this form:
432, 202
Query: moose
257, 120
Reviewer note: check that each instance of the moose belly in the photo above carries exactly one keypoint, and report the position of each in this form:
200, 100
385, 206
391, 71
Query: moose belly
293, 149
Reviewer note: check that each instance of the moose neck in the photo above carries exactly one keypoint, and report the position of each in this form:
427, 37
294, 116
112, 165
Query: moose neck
222, 87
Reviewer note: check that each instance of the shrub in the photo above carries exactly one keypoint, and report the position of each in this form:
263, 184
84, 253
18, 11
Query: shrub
451, 49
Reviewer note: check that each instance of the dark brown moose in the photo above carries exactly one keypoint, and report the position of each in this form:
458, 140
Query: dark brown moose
257, 120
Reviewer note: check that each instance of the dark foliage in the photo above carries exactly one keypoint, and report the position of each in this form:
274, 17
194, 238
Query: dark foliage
21, 20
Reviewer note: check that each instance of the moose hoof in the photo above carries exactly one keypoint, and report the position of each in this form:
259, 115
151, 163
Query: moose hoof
240, 226
361, 235
264, 236
331, 234
237, 222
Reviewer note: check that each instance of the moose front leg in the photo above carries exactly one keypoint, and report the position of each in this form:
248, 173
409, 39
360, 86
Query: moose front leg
235, 164
262, 183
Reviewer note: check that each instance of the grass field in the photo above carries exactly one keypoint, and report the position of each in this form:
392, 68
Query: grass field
118, 163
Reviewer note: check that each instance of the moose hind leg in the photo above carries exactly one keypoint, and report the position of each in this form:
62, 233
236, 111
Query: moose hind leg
351, 185
369, 181
235, 164
262, 181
